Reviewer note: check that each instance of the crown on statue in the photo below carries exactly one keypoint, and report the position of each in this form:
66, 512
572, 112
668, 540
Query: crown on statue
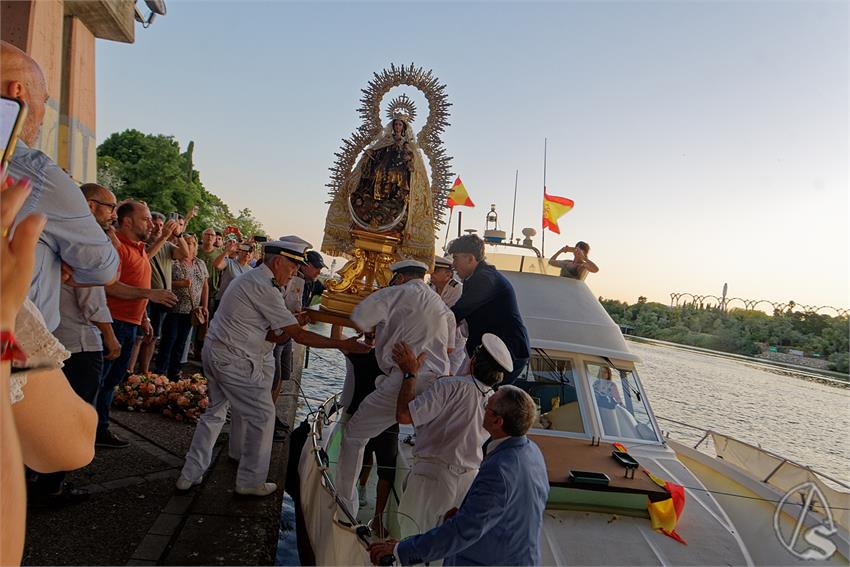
403, 108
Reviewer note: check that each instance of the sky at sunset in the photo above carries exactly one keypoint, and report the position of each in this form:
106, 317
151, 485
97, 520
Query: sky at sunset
702, 143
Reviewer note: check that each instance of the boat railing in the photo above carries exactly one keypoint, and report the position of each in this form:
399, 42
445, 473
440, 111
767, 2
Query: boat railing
321, 420
772, 469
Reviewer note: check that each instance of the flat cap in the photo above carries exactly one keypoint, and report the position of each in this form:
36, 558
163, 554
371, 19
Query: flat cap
315, 259
408, 265
497, 349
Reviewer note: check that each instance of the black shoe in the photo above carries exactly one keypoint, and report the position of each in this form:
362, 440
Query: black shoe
109, 439
68, 497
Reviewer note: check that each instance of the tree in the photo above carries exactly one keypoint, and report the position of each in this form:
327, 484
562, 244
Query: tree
151, 168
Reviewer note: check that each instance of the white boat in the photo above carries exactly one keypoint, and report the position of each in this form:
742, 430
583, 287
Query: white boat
744, 506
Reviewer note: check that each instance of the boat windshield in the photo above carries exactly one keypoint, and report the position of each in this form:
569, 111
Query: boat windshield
621, 406
550, 381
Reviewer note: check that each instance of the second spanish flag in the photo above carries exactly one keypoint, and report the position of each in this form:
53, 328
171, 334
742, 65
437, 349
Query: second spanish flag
458, 197
554, 207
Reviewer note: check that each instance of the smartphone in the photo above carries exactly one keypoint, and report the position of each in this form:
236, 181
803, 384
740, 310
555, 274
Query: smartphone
13, 112
260, 238
173, 216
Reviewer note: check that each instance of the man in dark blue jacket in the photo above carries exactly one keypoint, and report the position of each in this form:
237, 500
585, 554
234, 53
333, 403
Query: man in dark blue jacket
488, 303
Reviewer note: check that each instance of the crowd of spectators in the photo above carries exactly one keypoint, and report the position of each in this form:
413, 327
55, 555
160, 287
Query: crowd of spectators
94, 289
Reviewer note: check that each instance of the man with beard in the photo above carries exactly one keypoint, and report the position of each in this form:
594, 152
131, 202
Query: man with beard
127, 300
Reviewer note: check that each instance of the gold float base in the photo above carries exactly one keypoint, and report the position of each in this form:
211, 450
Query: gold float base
366, 272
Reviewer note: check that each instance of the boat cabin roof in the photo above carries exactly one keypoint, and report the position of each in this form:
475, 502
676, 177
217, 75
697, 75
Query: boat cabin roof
563, 314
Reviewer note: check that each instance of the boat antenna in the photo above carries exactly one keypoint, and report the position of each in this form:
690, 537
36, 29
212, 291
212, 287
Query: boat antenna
513, 215
543, 235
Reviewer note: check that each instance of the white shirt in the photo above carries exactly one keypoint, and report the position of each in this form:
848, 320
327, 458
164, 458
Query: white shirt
252, 307
293, 294
449, 418
451, 292
412, 313
80, 308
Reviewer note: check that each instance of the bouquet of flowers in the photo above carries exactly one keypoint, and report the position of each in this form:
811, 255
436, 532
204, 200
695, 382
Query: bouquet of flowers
187, 399
143, 392
184, 400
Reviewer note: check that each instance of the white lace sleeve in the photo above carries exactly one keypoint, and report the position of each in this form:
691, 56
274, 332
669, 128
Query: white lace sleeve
43, 350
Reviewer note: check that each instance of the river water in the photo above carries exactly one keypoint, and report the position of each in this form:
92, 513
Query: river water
800, 419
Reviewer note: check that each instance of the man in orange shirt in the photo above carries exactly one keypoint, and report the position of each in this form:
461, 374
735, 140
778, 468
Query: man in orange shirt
127, 299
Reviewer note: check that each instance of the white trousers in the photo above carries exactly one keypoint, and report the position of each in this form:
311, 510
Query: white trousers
375, 413
432, 489
244, 386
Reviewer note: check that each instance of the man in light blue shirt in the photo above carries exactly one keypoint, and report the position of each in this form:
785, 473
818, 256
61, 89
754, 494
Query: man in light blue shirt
71, 235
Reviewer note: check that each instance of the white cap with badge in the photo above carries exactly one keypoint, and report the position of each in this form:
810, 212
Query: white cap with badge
442, 262
408, 265
496, 348
291, 247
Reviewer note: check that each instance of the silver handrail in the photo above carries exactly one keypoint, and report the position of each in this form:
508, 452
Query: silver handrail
784, 460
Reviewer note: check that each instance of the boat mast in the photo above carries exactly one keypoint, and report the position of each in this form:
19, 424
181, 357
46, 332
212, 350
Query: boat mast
513, 215
543, 236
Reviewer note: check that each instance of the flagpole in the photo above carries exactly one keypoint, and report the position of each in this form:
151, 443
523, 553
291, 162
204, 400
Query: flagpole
448, 226
513, 215
543, 236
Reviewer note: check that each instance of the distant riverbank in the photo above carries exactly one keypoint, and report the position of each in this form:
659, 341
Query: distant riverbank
807, 372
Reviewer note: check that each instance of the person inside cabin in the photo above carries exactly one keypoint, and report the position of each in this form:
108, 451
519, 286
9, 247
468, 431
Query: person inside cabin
500, 520
604, 386
448, 419
578, 267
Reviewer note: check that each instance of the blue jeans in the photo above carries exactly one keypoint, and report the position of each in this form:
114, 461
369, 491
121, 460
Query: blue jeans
114, 371
175, 331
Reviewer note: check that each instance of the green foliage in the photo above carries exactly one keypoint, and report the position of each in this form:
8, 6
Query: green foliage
151, 168
737, 331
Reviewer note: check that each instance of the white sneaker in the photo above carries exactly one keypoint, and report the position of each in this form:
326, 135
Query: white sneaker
361, 495
262, 490
184, 483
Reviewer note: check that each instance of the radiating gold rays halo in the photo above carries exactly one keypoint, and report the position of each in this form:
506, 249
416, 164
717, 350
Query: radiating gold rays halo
428, 138
402, 107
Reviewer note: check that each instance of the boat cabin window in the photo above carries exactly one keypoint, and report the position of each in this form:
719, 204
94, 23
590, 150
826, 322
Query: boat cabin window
621, 406
551, 383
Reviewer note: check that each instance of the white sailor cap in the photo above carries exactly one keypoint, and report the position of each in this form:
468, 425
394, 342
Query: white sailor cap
408, 265
293, 238
497, 349
290, 247
442, 262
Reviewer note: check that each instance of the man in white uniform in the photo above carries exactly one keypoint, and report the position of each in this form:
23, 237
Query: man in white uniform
449, 288
239, 366
448, 418
406, 311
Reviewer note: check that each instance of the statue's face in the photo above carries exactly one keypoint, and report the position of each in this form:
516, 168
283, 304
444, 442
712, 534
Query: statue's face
398, 127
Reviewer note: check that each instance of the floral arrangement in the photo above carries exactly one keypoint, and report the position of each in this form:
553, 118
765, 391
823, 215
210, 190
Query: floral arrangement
184, 400
187, 399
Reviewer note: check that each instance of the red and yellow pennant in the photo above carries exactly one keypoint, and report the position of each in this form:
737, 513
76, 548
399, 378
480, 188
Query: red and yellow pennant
458, 197
554, 207
665, 514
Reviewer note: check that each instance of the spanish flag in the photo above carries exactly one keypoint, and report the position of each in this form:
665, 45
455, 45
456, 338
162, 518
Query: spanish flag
665, 514
554, 208
458, 196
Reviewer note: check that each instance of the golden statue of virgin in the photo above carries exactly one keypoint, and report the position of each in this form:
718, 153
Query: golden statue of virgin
387, 192
383, 206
